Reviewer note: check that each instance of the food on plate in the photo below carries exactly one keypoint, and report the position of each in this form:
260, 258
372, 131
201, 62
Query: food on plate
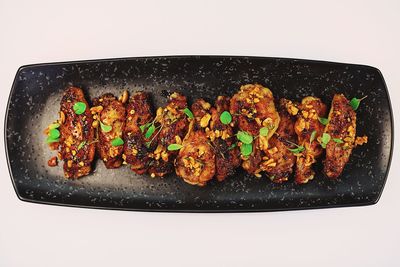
77, 134
195, 163
309, 130
139, 115
109, 115
169, 127
251, 129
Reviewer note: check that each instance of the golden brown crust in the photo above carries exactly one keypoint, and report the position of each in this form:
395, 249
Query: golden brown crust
223, 140
341, 125
138, 113
195, 163
171, 123
310, 109
111, 113
77, 135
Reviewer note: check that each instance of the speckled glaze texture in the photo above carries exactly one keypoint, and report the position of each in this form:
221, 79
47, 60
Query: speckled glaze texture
37, 90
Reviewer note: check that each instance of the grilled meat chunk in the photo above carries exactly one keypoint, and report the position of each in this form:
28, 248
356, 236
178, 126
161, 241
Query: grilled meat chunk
196, 159
171, 125
342, 129
110, 114
77, 134
306, 127
253, 107
139, 115
223, 140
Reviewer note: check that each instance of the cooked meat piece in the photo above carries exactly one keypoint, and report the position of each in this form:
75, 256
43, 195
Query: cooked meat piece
223, 140
171, 126
253, 108
139, 115
342, 129
111, 116
310, 109
195, 163
77, 134
278, 161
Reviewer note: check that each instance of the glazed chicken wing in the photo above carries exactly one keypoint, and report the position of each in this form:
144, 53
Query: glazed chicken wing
341, 128
136, 151
77, 134
309, 130
110, 114
171, 125
196, 159
253, 107
223, 140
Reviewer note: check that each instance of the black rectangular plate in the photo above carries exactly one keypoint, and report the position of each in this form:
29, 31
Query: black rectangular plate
37, 90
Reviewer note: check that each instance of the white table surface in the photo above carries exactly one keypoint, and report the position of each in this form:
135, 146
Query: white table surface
364, 32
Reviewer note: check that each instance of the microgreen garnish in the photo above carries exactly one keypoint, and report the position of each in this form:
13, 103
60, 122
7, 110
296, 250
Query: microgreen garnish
79, 108
54, 133
338, 140
225, 117
244, 137
173, 147
312, 137
188, 113
246, 149
54, 126
264, 131
150, 131
296, 150
323, 121
144, 127
52, 140
105, 128
232, 146
325, 139
81, 145
355, 102
117, 141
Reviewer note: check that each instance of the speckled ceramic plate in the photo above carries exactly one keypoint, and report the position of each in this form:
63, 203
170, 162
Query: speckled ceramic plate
37, 90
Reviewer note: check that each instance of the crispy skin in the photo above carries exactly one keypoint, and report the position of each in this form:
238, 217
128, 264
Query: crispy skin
76, 130
112, 114
195, 163
278, 161
139, 113
341, 125
223, 138
309, 110
171, 127
253, 107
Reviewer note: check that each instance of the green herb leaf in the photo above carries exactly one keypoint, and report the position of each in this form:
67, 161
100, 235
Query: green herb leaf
355, 102
150, 131
52, 140
188, 113
244, 137
323, 121
105, 128
173, 147
338, 140
246, 149
296, 150
79, 108
54, 133
144, 127
264, 131
312, 137
325, 139
117, 141
225, 117
81, 145
54, 126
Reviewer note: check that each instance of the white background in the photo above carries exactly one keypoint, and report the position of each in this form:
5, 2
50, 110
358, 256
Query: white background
364, 32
